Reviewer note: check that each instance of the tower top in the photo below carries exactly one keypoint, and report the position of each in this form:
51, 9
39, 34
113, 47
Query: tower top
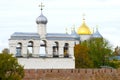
41, 19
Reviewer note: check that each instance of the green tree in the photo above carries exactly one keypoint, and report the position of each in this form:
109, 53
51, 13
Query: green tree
82, 59
9, 68
99, 51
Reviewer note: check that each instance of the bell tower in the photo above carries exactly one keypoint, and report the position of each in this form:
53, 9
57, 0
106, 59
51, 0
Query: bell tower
41, 24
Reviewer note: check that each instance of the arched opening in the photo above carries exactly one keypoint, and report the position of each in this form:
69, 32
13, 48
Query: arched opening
55, 50
19, 50
30, 49
66, 50
42, 48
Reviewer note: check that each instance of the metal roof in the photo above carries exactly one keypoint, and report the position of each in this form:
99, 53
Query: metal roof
36, 36
23, 36
96, 34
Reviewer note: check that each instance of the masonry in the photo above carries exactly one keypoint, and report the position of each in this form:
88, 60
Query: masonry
72, 74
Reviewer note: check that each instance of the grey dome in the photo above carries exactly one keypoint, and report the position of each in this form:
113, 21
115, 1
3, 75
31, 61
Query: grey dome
75, 35
41, 19
96, 34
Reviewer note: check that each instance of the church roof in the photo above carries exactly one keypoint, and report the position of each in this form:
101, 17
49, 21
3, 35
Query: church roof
59, 36
36, 36
23, 36
96, 34
84, 29
75, 35
41, 19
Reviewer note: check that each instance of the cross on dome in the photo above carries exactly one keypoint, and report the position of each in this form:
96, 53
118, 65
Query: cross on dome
41, 6
83, 16
41, 19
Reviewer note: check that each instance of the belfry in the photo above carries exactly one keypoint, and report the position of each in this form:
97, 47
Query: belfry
58, 47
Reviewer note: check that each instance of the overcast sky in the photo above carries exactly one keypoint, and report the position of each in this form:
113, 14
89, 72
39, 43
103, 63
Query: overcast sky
20, 16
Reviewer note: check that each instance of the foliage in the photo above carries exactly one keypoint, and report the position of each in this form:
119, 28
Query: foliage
99, 51
82, 59
9, 68
95, 53
114, 63
5, 50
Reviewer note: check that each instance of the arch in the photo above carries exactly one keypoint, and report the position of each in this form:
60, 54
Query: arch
43, 50
66, 50
55, 49
19, 49
30, 49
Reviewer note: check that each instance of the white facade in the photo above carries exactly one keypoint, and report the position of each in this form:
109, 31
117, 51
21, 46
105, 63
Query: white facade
58, 48
47, 63
84, 37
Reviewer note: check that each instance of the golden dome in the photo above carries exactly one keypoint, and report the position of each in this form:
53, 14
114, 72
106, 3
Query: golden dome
83, 29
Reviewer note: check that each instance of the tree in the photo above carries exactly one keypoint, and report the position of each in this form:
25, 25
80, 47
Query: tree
9, 68
5, 50
82, 59
99, 51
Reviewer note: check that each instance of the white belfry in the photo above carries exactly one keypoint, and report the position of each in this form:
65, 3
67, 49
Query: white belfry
58, 47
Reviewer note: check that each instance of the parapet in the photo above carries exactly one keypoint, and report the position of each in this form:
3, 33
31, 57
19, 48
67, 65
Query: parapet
72, 74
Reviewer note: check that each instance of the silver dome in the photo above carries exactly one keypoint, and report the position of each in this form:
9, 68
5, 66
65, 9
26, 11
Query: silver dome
75, 35
96, 34
41, 19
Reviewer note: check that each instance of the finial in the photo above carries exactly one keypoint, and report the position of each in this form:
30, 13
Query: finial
73, 27
96, 27
93, 29
83, 16
66, 30
41, 6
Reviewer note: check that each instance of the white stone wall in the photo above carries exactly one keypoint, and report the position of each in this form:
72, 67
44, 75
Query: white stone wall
36, 47
41, 30
84, 37
44, 63
47, 63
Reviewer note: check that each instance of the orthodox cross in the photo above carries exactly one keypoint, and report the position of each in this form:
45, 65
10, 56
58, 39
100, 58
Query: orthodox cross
83, 16
41, 6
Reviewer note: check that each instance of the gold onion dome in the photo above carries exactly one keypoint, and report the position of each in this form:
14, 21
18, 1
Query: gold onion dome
83, 29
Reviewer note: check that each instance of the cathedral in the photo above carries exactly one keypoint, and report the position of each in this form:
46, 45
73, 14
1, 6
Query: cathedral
42, 50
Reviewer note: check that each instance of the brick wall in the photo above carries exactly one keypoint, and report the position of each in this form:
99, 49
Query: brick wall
72, 74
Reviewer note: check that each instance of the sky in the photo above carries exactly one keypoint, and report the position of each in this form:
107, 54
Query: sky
20, 16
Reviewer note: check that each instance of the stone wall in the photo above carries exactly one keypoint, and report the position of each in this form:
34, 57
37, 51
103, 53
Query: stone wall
72, 74
47, 63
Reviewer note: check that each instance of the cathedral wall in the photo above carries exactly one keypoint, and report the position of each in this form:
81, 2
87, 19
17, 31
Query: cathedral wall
84, 37
47, 63
72, 74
